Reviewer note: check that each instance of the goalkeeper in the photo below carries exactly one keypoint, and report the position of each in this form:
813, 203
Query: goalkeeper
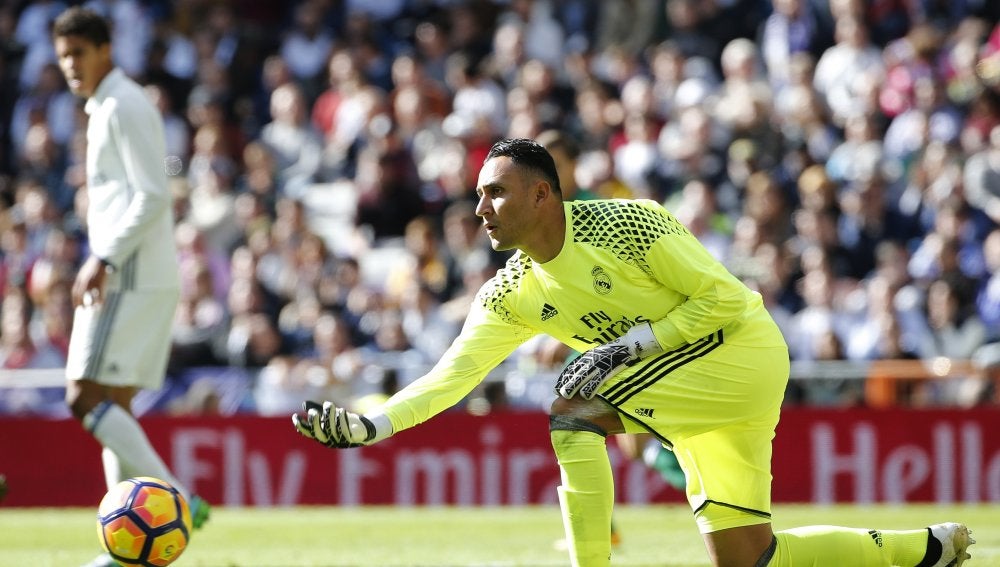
673, 345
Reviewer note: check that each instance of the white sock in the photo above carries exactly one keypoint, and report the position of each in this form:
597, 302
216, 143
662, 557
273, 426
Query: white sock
118, 431
114, 472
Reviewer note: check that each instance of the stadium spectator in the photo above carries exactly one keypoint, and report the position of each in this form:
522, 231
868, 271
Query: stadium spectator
988, 294
54, 266
253, 340
548, 97
211, 207
32, 33
432, 45
843, 68
505, 62
47, 103
817, 317
636, 157
932, 118
955, 329
478, 103
691, 146
765, 202
388, 192
175, 128
792, 27
211, 154
200, 321
194, 255
343, 111
860, 154
306, 46
803, 123
687, 26
16, 259
330, 368
745, 101
42, 160
986, 385
295, 146
951, 249
913, 56
982, 177
867, 219
872, 323
409, 71
18, 348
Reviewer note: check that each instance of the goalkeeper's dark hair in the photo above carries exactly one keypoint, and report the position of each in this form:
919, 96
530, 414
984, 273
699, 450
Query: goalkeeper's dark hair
82, 22
528, 154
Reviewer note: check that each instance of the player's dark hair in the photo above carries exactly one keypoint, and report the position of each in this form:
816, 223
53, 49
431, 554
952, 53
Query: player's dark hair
81, 22
529, 154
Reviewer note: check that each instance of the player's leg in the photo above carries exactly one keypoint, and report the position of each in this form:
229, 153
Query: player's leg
729, 490
728, 487
586, 497
103, 411
941, 545
115, 350
728, 468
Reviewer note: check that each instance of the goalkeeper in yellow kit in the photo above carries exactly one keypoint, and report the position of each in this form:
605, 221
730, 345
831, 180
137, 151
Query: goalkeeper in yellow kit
672, 344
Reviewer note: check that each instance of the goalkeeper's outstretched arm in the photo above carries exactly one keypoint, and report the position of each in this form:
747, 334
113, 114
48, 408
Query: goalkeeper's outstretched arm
486, 340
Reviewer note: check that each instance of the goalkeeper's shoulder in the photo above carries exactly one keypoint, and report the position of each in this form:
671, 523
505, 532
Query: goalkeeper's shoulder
495, 294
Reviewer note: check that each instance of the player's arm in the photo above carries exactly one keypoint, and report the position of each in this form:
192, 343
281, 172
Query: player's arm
485, 341
715, 297
138, 135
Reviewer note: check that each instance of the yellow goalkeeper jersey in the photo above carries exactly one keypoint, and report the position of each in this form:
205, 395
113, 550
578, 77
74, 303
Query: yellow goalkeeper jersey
622, 262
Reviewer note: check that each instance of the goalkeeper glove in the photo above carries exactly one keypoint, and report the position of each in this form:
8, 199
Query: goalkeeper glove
338, 428
590, 370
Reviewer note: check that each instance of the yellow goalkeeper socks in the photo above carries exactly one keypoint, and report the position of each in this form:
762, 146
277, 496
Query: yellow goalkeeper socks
586, 496
830, 545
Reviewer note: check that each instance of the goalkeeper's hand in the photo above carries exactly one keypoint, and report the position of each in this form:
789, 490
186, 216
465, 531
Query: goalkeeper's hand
586, 374
335, 427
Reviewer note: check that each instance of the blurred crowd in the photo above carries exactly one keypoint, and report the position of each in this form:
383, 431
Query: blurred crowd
840, 156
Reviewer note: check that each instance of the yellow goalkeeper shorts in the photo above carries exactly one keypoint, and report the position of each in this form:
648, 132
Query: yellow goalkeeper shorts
717, 406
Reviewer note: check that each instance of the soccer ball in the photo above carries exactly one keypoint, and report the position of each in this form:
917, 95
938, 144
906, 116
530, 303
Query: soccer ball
144, 521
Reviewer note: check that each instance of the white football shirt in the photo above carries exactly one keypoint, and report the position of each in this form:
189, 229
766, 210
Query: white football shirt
130, 214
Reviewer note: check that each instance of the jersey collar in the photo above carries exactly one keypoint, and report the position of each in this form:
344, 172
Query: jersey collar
113, 77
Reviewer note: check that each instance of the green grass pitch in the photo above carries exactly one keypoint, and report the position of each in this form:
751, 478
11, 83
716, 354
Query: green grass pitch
439, 537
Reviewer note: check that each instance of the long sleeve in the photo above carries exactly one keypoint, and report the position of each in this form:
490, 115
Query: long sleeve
141, 148
715, 297
130, 212
494, 328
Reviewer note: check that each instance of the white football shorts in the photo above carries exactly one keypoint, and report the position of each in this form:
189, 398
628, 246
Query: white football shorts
124, 341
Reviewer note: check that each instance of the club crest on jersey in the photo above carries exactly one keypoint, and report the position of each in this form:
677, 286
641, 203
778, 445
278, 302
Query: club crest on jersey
602, 281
